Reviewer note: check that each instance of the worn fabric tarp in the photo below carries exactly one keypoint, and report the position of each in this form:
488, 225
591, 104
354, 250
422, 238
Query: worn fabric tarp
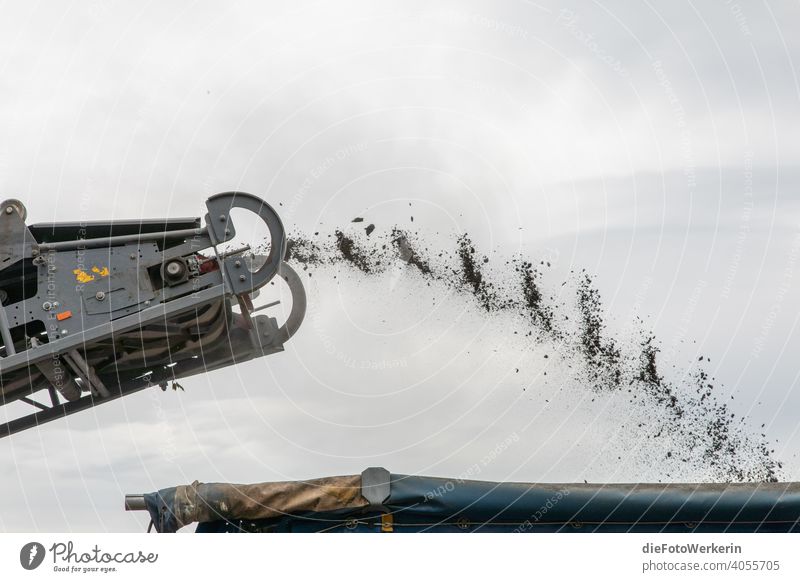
175, 507
435, 504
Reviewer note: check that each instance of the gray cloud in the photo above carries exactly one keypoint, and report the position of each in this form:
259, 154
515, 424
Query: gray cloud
619, 136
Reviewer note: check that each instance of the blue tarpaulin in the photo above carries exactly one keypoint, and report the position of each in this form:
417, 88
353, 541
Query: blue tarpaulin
378, 501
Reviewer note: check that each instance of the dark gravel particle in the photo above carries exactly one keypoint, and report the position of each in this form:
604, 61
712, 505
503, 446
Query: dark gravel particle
351, 253
541, 315
600, 353
406, 252
304, 251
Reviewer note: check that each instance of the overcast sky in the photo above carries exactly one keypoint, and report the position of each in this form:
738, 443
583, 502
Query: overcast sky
654, 145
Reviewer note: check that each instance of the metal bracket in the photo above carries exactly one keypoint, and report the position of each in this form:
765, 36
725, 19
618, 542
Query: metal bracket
221, 229
376, 486
16, 241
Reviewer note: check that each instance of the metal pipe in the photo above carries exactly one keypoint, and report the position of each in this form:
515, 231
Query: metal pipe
90, 377
5, 332
108, 241
265, 306
135, 502
233, 252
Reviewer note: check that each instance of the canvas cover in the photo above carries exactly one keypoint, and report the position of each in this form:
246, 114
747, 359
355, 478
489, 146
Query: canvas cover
430, 504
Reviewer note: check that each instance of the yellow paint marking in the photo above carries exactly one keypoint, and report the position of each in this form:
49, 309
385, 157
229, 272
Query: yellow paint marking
82, 276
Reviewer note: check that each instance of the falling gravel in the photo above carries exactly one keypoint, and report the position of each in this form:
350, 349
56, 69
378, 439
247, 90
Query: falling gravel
687, 415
